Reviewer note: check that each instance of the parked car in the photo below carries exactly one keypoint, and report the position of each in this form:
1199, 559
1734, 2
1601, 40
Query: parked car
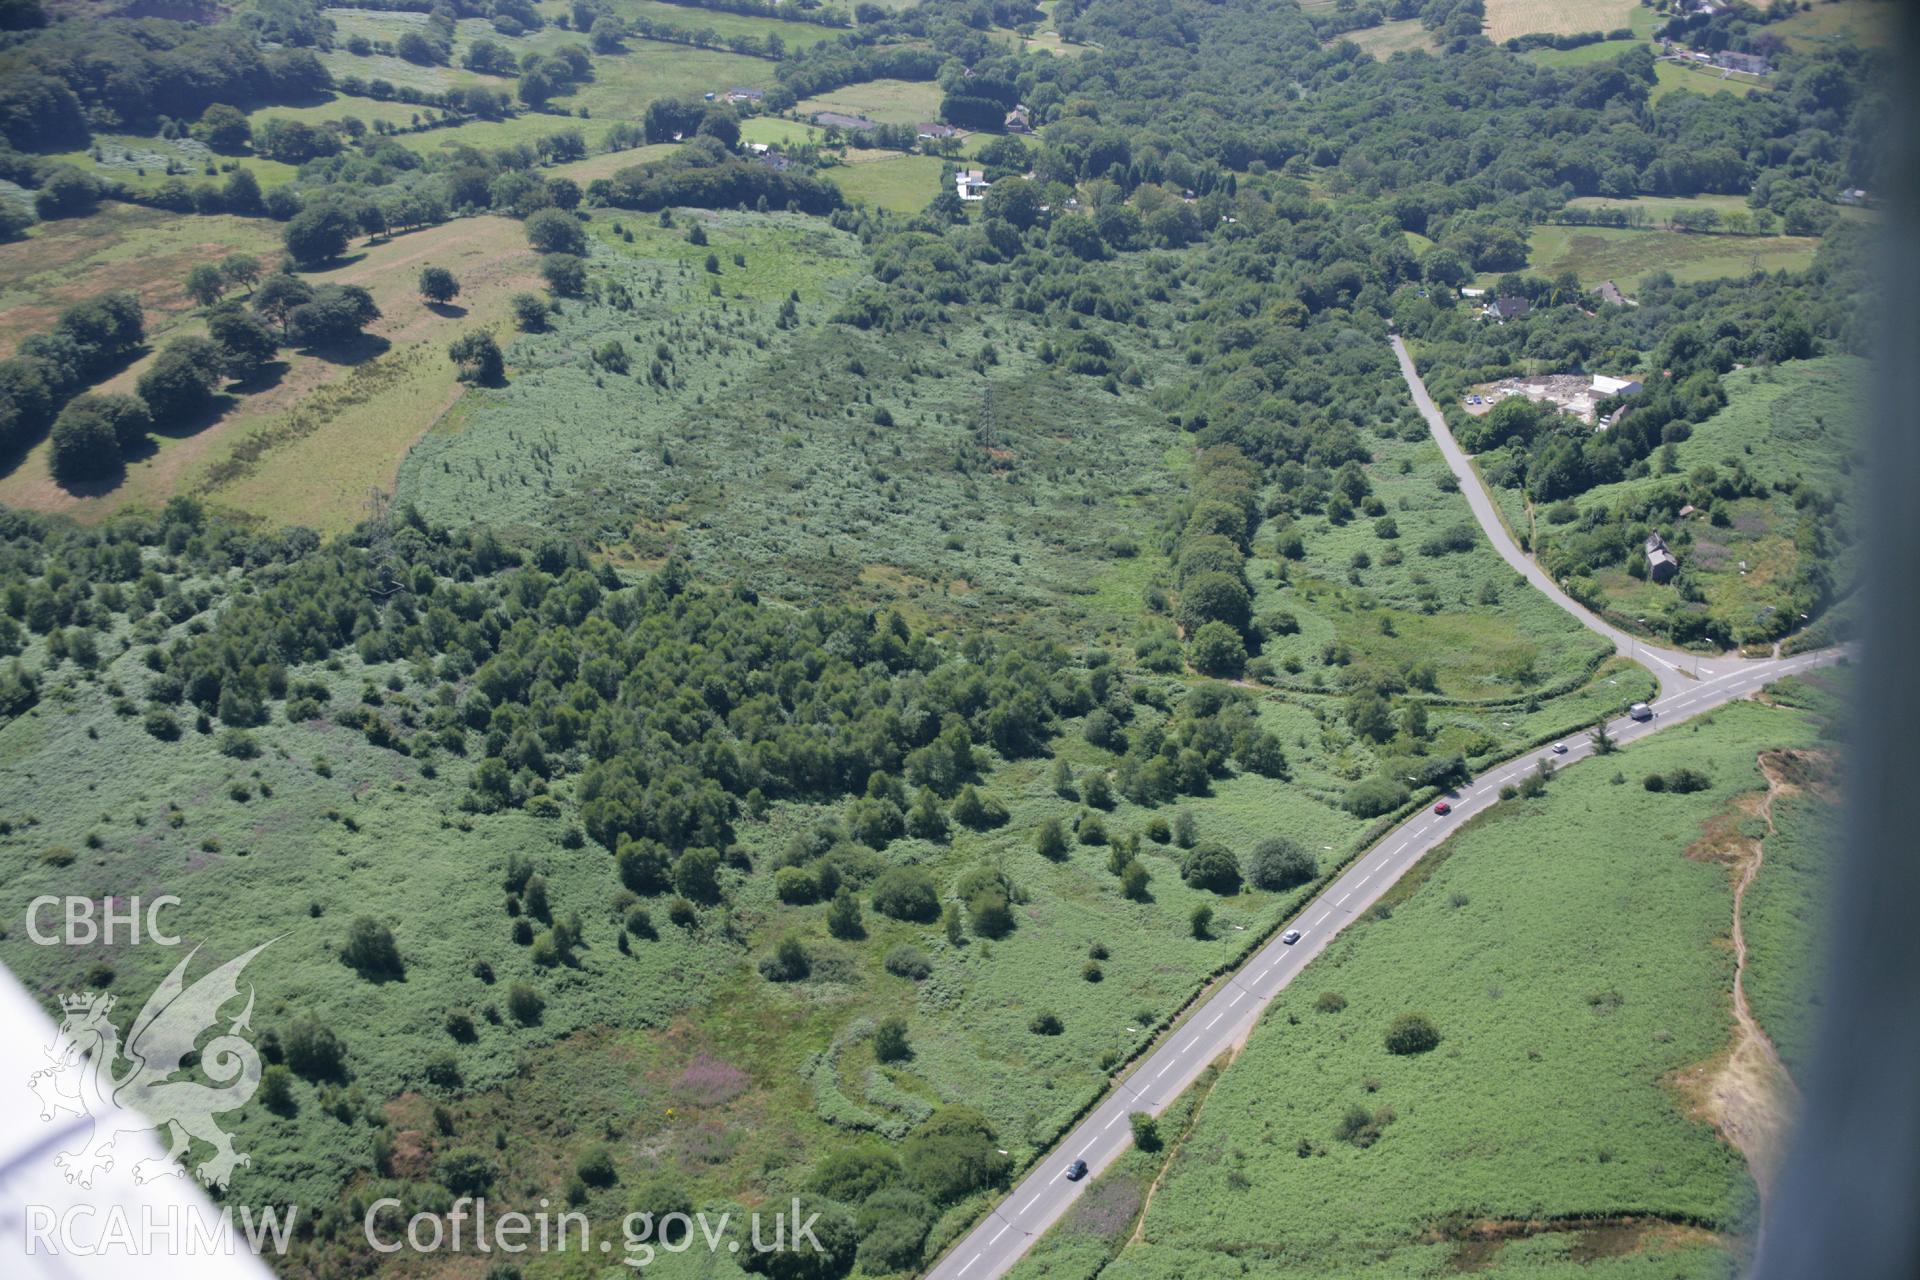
1559, 748
1640, 711
1290, 937
1443, 808
1076, 1171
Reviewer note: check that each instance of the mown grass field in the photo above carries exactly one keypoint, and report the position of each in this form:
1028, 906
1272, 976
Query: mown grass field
1670, 77
1509, 18
1571, 979
1390, 38
885, 101
1613, 253
1799, 421
904, 184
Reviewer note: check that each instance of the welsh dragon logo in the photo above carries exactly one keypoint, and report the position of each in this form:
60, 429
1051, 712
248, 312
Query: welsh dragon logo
131, 1089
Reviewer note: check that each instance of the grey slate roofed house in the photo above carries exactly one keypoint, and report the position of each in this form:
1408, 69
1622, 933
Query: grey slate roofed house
1509, 308
1661, 564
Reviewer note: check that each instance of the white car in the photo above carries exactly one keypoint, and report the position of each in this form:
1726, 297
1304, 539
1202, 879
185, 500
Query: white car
1290, 937
1559, 748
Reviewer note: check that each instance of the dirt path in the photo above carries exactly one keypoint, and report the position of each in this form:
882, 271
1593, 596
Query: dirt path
1748, 1094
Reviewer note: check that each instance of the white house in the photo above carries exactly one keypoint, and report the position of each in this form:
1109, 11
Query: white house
1604, 386
971, 184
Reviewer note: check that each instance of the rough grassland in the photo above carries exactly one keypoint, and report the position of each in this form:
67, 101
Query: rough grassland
1793, 422
148, 251
1570, 977
1613, 253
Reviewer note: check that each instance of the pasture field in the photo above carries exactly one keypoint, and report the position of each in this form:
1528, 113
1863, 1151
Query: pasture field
776, 131
1551, 1092
1585, 55
795, 35
1509, 18
1672, 76
1868, 23
306, 447
904, 184
147, 163
885, 101
623, 84
1796, 422
1628, 256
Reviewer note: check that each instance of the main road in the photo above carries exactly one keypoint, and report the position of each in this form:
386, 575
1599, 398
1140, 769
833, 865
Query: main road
1226, 1016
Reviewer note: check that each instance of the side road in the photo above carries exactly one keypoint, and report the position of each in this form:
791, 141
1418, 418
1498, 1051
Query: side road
1666, 664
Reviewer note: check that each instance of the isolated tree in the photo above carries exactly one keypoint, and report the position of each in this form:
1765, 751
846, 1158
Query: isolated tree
240, 270
789, 962
478, 356
1212, 866
1412, 1033
1603, 743
370, 950
1279, 862
843, 916
556, 231
1051, 840
1146, 1130
530, 312
205, 284
565, 274
890, 1040
1201, 921
437, 284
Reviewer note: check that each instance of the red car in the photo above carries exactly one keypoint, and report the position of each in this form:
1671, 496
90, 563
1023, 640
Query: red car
1443, 808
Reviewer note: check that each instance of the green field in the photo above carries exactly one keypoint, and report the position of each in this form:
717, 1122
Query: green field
1572, 980
1584, 56
884, 101
1867, 23
1673, 76
795, 35
904, 184
1617, 253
